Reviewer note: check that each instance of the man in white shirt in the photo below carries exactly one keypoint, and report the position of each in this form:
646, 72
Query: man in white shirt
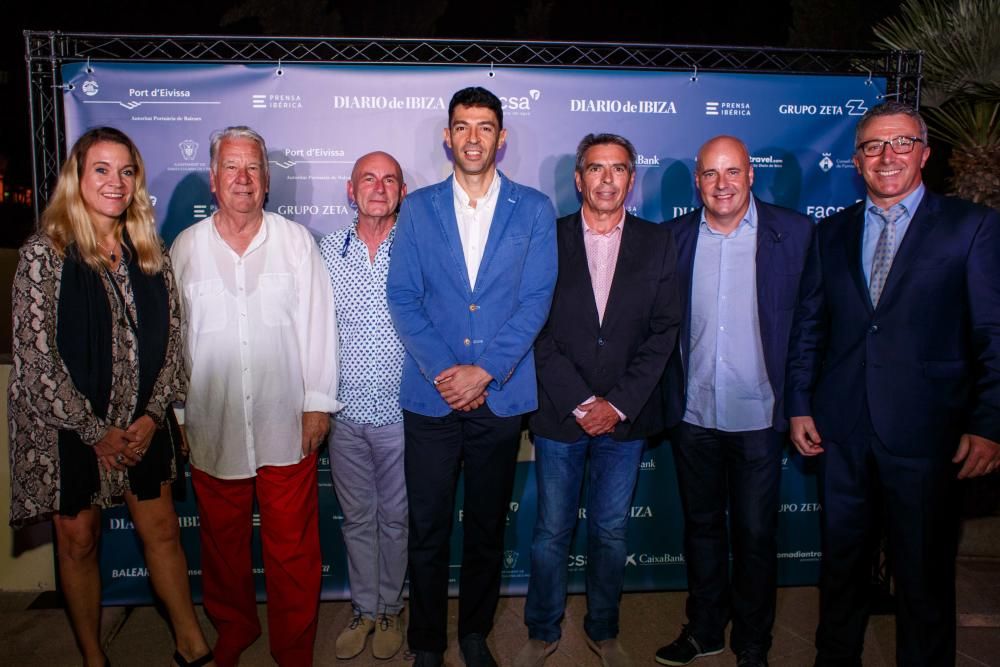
470, 282
261, 352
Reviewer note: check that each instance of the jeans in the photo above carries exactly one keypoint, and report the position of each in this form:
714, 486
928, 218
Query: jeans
559, 468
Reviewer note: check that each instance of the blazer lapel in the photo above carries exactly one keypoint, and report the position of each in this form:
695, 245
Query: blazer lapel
686, 237
855, 234
768, 237
507, 200
573, 256
443, 201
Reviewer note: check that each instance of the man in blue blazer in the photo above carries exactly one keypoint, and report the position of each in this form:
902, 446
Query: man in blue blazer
739, 263
600, 359
470, 283
894, 383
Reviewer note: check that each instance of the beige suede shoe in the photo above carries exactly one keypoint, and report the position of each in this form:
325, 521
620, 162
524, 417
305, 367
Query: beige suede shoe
388, 636
610, 652
534, 653
351, 641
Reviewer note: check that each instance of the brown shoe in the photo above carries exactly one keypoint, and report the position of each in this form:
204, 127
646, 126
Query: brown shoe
535, 652
351, 641
388, 636
610, 652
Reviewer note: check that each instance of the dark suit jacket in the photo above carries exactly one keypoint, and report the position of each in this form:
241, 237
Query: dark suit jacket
783, 238
621, 359
927, 359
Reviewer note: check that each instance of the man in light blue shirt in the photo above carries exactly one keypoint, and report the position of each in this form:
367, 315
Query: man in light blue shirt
366, 441
738, 262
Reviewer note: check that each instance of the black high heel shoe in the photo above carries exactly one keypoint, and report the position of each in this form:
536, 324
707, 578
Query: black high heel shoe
197, 662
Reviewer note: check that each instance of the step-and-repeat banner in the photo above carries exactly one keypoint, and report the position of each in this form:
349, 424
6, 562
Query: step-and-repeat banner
318, 119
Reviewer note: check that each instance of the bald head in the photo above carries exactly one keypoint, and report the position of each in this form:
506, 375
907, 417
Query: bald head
724, 177
376, 186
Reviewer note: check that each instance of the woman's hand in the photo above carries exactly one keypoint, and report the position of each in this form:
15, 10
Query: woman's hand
114, 451
140, 433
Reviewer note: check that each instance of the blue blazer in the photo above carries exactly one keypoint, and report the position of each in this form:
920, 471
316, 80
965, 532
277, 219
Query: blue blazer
620, 358
442, 321
783, 238
926, 361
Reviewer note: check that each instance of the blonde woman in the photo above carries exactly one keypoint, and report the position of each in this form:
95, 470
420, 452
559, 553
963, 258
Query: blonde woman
97, 363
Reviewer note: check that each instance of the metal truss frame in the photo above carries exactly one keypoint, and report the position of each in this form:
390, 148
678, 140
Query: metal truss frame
47, 51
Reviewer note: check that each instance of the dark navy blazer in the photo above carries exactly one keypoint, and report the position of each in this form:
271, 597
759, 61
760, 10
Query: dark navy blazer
926, 361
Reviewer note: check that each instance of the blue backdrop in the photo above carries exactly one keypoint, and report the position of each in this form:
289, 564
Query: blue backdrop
318, 119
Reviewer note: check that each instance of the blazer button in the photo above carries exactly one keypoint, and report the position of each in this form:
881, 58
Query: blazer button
600, 341
473, 307
467, 342
873, 329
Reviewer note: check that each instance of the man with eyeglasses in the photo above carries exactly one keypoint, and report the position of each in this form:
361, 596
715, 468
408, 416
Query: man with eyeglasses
894, 384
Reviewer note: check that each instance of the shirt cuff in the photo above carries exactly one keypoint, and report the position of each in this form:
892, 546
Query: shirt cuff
578, 413
317, 401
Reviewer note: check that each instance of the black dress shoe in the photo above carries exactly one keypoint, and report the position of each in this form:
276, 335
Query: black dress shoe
475, 652
427, 659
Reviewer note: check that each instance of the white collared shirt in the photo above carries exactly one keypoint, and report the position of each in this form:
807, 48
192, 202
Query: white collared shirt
260, 344
474, 223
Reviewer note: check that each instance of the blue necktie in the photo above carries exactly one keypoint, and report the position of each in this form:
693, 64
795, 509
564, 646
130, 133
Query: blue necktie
885, 249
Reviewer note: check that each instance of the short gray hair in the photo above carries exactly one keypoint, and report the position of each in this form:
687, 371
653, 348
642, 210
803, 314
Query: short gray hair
890, 108
592, 140
237, 132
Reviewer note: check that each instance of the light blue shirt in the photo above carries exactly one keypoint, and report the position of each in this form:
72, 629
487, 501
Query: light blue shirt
873, 228
727, 384
371, 354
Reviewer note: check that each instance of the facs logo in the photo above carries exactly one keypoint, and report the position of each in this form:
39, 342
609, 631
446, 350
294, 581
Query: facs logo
510, 559
826, 163
89, 87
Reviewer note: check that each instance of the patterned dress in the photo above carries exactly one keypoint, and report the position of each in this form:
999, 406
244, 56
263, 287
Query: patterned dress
43, 399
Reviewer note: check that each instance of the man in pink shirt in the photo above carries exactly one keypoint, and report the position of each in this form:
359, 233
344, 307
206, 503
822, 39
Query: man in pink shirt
599, 358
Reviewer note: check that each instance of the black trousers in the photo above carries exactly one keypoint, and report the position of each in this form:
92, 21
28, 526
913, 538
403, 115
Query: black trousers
484, 447
857, 478
740, 471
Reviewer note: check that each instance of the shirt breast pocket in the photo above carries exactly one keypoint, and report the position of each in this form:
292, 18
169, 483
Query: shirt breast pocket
277, 298
208, 305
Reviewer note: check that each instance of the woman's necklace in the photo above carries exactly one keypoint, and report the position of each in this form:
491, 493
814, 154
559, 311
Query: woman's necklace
111, 252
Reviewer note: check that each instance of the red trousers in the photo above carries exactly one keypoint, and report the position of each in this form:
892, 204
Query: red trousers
289, 526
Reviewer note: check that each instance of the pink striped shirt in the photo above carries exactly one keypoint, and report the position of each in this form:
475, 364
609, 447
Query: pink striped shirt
602, 258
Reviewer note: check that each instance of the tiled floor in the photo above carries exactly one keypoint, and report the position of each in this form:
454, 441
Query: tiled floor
140, 637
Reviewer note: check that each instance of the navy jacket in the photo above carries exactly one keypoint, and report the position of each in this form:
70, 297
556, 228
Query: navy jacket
926, 361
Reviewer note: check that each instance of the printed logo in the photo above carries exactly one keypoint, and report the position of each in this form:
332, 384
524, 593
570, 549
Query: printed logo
855, 107
89, 87
661, 559
728, 108
826, 163
510, 559
258, 101
647, 161
651, 463
630, 560
623, 106
189, 149
199, 211
766, 162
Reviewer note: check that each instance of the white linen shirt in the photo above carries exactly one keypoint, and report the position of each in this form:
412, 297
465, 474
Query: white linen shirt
260, 344
474, 223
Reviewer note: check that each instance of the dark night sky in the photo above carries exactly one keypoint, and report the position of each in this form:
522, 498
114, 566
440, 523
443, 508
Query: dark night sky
799, 23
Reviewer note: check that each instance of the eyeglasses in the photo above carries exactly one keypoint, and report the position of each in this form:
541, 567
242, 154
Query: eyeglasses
900, 146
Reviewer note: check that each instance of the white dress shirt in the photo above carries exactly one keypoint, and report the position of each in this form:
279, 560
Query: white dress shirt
474, 223
260, 344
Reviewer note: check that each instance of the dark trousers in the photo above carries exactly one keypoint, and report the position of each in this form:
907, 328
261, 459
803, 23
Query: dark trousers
858, 477
741, 470
484, 447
